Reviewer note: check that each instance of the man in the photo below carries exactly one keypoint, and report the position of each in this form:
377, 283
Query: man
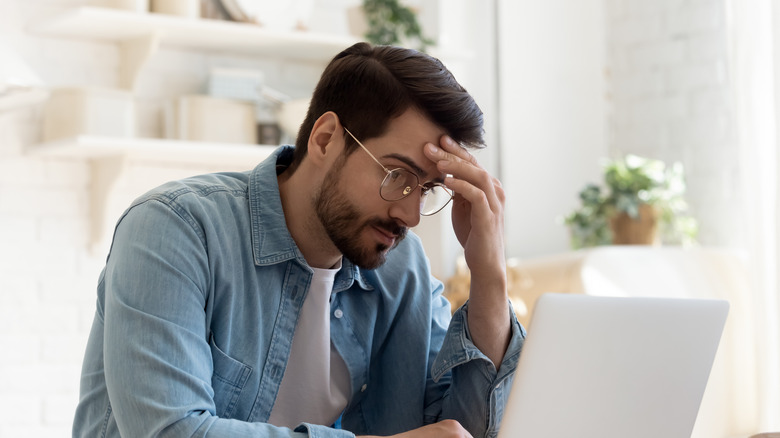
290, 300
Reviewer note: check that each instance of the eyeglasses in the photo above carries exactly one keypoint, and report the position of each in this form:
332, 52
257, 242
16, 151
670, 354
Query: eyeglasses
400, 183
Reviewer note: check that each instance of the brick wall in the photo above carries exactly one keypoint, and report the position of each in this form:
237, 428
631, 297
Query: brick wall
47, 283
670, 99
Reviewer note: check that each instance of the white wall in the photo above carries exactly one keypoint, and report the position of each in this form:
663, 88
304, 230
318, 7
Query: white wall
672, 100
673, 95
552, 114
582, 80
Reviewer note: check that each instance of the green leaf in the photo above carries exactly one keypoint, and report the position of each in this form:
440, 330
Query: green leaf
629, 183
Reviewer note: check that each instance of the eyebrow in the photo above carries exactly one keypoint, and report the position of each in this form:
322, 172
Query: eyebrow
423, 175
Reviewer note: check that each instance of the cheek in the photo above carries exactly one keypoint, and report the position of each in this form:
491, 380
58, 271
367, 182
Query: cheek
362, 191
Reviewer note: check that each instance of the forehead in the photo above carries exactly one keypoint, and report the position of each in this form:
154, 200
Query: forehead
406, 136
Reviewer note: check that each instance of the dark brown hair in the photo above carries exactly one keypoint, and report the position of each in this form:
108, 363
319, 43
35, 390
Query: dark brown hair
367, 86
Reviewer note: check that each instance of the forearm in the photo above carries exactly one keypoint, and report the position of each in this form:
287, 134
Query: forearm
477, 390
488, 317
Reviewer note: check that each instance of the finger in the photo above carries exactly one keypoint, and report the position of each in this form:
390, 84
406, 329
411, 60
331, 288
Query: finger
475, 197
451, 146
464, 163
459, 163
499, 190
464, 178
449, 150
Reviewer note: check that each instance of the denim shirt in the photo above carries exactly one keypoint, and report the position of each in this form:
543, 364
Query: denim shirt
198, 303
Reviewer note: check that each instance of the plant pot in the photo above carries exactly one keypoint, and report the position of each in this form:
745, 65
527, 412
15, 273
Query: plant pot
642, 230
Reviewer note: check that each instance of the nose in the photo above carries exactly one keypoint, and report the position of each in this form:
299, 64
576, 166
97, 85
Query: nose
407, 210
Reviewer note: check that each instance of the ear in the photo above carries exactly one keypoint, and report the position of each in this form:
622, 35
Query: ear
326, 141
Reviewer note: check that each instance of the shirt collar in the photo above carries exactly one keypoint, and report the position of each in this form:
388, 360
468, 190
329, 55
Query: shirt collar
271, 240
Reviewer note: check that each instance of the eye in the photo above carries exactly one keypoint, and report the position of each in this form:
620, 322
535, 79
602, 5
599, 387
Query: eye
401, 179
395, 177
431, 189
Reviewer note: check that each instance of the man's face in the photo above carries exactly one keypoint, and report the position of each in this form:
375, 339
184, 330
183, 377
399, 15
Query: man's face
362, 225
346, 225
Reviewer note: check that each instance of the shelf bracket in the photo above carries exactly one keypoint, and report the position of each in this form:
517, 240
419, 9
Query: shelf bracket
105, 171
135, 52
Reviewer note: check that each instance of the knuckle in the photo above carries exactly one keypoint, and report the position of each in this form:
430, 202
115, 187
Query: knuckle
485, 179
501, 194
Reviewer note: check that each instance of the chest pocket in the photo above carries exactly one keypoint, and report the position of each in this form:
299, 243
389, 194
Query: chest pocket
228, 380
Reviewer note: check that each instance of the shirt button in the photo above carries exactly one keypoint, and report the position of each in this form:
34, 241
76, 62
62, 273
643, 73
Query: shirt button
338, 313
363, 388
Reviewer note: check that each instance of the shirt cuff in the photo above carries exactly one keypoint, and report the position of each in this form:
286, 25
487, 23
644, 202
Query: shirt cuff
318, 431
458, 349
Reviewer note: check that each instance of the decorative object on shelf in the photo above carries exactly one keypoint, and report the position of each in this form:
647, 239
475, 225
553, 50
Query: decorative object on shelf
212, 119
140, 6
388, 22
181, 8
273, 14
644, 204
236, 83
278, 115
71, 112
213, 10
290, 115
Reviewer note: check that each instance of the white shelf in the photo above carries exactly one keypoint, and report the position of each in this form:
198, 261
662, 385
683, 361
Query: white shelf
138, 37
156, 150
108, 158
140, 34
201, 34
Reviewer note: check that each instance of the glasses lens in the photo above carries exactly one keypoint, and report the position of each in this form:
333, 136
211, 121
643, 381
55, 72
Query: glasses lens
398, 184
435, 198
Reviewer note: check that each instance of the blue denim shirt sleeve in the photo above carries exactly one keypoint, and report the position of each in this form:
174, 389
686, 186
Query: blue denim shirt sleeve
474, 376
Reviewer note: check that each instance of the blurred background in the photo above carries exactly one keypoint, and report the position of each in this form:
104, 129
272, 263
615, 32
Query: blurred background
101, 100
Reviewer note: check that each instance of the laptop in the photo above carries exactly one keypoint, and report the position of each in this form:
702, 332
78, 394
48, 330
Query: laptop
613, 367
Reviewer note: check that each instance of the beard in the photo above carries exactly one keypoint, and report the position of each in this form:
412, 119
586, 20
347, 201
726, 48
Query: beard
342, 222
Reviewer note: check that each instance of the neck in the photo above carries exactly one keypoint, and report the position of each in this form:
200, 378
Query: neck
296, 191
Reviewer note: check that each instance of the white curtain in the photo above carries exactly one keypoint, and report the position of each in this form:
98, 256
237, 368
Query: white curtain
755, 72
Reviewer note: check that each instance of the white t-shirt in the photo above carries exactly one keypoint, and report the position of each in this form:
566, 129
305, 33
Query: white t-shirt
315, 387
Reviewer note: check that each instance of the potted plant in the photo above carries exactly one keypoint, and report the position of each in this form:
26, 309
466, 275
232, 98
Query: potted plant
388, 22
643, 203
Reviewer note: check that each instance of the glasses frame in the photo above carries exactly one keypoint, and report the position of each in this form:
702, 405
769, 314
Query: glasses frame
408, 190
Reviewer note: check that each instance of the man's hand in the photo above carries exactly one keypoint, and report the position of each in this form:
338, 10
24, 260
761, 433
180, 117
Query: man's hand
478, 207
443, 429
478, 222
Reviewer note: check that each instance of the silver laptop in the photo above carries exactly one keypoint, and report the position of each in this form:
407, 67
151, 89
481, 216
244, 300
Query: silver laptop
613, 367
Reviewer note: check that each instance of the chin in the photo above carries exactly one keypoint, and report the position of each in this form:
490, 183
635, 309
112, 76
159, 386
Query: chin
369, 259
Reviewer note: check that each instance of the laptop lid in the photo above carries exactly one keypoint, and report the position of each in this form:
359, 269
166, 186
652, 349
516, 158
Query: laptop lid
613, 367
